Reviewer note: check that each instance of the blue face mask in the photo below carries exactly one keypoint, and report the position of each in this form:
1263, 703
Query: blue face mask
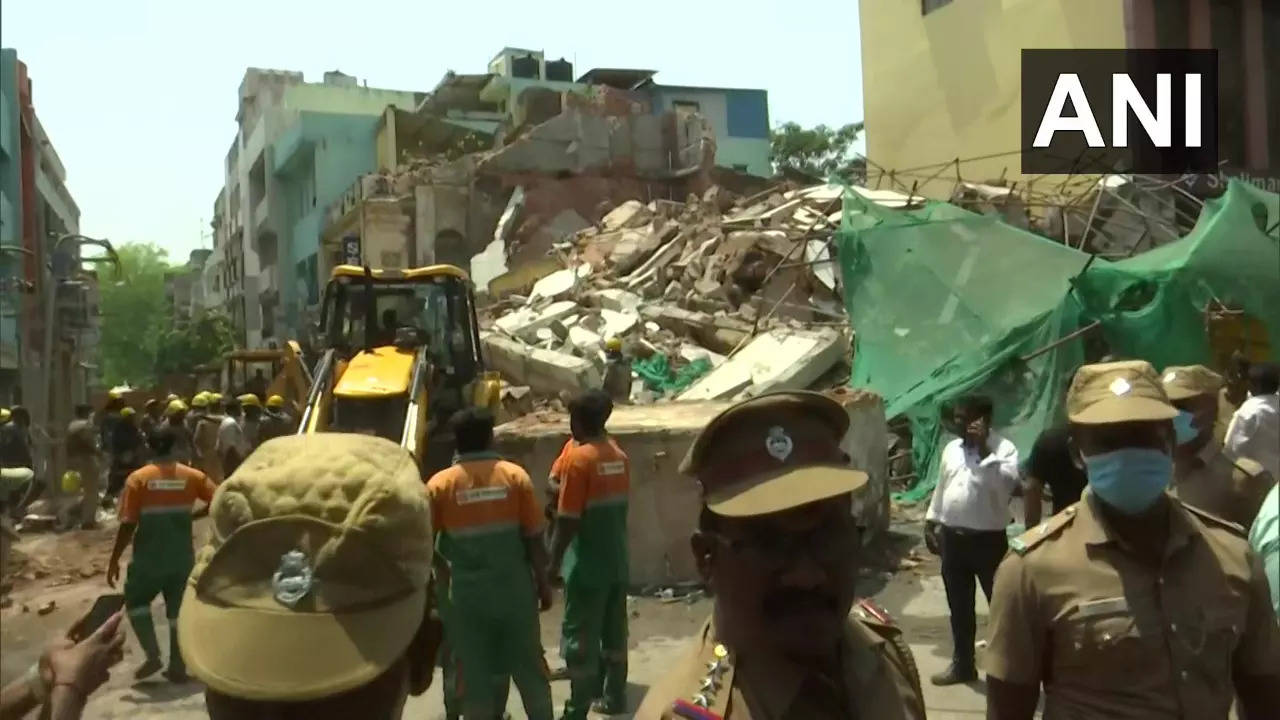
1130, 479
1184, 427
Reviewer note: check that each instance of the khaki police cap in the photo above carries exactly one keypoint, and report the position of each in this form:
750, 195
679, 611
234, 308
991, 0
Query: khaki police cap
772, 452
1125, 391
1182, 382
314, 579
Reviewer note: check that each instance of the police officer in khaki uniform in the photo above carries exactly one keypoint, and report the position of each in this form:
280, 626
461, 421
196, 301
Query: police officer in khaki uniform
1202, 474
1130, 603
776, 545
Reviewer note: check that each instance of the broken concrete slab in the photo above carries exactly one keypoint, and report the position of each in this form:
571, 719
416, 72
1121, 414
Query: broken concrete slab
677, 320
617, 324
618, 300
584, 341
559, 283
630, 214
693, 353
827, 348
546, 371
777, 360
526, 321
635, 246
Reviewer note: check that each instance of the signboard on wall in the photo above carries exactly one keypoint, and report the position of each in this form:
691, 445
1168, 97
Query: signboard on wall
351, 250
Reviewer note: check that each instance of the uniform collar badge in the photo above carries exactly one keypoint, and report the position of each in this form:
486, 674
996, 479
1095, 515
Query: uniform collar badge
293, 580
1120, 386
778, 443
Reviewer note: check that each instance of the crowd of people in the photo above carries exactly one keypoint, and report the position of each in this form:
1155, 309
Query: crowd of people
338, 578
1154, 588
211, 432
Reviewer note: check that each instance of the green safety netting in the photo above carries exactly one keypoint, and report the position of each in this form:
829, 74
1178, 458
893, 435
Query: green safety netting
944, 302
657, 375
1152, 305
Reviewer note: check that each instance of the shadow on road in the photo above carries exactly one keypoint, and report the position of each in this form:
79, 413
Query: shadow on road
147, 693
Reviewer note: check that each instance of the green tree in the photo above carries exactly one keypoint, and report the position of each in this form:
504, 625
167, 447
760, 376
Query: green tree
820, 151
134, 315
188, 343
141, 339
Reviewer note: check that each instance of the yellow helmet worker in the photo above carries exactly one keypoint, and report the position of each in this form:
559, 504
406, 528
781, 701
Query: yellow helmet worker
127, 412
201, 400
275, 402
175, 407
613, 344
4, 415
250, 400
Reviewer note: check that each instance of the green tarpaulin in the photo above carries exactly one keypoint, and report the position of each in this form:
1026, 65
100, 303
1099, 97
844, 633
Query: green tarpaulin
944, 302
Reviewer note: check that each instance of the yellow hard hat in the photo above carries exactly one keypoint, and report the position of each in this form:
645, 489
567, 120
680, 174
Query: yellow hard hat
176, 407
71, 481
200, 400
127, 412
614, 343
172, 397
115, 393
4, 415
250, 400
275, 401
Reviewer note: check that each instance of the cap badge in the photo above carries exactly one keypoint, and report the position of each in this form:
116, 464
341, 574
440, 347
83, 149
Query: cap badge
778, 443
1120, 386
1170, 377
292, 581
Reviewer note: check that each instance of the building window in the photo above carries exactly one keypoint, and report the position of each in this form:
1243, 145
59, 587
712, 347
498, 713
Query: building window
928, 6
686, 105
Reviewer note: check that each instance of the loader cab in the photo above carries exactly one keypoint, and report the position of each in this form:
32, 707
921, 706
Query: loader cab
402, 354
405, 310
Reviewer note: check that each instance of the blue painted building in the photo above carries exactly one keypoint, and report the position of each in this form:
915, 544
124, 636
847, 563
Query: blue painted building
739, 117
315, 160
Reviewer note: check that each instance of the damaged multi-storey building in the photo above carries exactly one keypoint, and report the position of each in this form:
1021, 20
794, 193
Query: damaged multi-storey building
523, 154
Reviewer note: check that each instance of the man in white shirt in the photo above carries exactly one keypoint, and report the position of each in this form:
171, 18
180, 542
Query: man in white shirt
966, 523
233, 446
1254, 431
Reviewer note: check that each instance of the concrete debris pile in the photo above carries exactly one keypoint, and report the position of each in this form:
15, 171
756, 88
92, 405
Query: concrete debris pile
715, 298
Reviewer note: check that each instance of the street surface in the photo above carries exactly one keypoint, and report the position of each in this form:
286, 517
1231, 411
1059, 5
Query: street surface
912, 593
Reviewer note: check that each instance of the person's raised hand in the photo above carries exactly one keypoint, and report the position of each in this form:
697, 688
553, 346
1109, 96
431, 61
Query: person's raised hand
113, 573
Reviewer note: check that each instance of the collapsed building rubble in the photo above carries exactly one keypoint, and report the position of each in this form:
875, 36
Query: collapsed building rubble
716, 298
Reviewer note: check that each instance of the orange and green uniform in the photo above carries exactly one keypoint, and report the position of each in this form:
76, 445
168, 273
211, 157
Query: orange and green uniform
158, 498
483, 511
595, 480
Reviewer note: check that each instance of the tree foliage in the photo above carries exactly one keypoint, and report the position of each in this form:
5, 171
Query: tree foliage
134, 314
188, 343
820, 151
141, 338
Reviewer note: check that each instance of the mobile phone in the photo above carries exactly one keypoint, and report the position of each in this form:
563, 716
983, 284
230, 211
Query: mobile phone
103, 608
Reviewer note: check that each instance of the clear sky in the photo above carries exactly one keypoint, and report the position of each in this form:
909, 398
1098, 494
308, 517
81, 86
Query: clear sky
139, 97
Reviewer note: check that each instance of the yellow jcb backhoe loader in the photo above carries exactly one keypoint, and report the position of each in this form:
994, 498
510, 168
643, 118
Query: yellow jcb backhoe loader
402, 354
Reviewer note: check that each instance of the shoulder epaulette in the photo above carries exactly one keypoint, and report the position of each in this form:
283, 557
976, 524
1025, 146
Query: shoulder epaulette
1249, 468
875, 617
1045, 530
1210, 519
